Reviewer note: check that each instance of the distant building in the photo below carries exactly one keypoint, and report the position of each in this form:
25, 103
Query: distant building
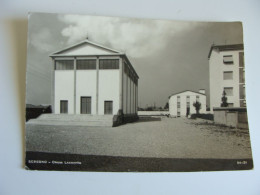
90, 79
227, 73
181, 104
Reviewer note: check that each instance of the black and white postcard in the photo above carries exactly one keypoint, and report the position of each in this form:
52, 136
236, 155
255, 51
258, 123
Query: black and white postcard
118, 94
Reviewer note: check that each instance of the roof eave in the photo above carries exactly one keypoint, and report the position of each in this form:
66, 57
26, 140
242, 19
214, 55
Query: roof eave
82, 42
235, 47
186, 91
64, 55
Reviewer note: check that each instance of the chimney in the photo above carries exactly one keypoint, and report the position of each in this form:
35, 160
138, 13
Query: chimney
203, 91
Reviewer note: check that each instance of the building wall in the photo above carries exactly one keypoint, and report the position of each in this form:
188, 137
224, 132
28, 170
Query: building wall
234, 117
108, 89
173, 105
64, 89
86, 86
129, 93
125, 91
87, 82
217, 83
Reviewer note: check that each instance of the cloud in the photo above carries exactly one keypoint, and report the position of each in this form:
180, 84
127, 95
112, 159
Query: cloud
42, 40
136, 37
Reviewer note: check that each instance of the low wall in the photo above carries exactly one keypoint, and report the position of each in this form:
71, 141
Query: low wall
233, 117
153, 113
121, 118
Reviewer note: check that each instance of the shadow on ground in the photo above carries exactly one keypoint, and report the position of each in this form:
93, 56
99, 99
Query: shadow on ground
148, 119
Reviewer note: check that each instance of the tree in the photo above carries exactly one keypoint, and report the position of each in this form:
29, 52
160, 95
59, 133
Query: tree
224, 100
197, 106
166, 107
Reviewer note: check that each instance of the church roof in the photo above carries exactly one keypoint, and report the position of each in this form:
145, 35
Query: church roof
187, 91
76, 48
89, 48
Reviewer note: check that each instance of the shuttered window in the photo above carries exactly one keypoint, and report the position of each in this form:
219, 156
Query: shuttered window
197, 98
228, 59
228, 75
85, 106
64, 65
188, 101
109, 64
242, 92
229, 91
241, 59
241, 75
242, 103
64, 106
108, 107
86, 64
178, 98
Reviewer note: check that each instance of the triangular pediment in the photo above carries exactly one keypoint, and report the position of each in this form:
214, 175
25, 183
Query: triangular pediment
86, 48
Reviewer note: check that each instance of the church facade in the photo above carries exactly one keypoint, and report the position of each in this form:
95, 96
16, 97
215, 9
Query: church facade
90, 79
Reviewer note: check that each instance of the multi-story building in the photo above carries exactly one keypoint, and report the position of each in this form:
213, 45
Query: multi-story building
91, 79
181, 104
227, 73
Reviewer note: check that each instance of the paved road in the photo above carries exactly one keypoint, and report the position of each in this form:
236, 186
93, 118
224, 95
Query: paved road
169, 138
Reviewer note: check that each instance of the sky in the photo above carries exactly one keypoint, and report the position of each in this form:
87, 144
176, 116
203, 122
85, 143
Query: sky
169, 56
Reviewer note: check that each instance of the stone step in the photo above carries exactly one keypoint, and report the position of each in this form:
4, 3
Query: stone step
75, 116
73, 119
71, 123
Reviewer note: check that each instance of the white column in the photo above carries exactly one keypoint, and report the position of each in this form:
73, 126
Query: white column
97, 84
130, 95
127, 89
75, 86
120, 83
53, 86
137, 96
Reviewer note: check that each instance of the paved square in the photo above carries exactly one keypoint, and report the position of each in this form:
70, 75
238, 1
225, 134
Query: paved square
168, 138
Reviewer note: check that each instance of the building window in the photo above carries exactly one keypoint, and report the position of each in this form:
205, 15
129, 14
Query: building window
188, 101
64, 64
64, 106
85, 105
242, 103
241, 59
241, 75
178, 113
109, 64
228, 59
230, 105
197, 98
86, 64
178, 98
228, 75
242, 92
178, 104
108, 107
229, 91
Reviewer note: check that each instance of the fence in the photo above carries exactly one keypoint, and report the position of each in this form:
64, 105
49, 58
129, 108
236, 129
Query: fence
234, 117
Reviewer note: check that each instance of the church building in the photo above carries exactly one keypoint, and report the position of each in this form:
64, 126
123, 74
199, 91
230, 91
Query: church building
91, 79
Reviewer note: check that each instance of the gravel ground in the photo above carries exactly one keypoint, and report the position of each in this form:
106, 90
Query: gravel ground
168, 138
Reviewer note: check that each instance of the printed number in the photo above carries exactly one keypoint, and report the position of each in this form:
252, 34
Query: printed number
244, 162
